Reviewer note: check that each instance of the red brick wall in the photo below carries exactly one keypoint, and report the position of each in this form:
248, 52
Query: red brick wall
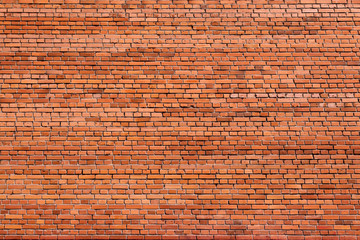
183, 119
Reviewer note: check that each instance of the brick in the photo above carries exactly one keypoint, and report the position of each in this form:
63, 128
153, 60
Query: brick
179, 119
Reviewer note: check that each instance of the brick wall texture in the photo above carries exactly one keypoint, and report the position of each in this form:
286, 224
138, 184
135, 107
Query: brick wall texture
181, 119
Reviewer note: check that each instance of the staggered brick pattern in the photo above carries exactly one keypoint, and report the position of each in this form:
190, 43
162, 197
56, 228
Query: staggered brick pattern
183, 119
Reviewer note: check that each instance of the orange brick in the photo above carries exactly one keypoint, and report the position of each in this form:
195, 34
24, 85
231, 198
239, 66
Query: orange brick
179, 119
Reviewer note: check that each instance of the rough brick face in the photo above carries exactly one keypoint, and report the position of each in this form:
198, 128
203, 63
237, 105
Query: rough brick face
183, 119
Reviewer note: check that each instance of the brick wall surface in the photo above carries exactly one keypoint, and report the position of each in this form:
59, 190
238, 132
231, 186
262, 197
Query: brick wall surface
182, 119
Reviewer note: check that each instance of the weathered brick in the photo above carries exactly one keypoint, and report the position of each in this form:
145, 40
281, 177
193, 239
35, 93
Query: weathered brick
179, 119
